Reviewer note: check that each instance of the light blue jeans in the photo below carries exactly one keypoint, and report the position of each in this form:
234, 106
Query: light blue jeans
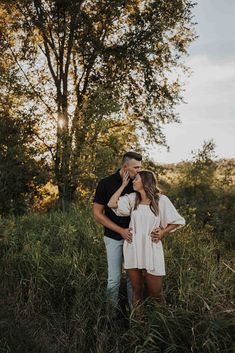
114, 250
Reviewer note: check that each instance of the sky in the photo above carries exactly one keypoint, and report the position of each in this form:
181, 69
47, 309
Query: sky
209, 91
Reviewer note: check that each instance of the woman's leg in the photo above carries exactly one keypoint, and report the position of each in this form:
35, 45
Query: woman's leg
137, 282
154, 284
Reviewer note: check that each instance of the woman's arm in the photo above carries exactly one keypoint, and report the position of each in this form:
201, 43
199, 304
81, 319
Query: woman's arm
113, 202
170, 219
160, 233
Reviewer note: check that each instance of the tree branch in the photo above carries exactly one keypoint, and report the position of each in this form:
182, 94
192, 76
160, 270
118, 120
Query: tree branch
27, 79
50, 149
41, 24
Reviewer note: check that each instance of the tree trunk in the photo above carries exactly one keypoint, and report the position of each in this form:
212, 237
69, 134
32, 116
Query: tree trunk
66, 194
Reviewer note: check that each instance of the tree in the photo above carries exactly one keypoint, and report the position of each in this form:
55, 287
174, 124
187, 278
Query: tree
22, 167
20, 173
201, 171
196, 183
73, 52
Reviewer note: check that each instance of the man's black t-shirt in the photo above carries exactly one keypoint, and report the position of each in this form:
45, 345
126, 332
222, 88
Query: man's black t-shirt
105, 189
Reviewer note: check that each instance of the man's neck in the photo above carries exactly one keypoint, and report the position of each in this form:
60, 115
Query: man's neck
121, 172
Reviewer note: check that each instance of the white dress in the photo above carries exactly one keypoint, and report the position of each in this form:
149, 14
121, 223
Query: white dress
143, 253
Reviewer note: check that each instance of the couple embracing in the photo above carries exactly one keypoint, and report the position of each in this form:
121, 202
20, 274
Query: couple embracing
135, 216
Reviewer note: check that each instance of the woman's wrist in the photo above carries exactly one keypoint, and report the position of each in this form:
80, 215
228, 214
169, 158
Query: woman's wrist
164, 232
122, 187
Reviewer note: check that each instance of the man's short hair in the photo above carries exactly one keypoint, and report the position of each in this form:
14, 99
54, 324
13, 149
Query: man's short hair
131, 155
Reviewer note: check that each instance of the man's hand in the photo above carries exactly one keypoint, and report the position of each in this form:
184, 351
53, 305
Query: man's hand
157, 235
126, 234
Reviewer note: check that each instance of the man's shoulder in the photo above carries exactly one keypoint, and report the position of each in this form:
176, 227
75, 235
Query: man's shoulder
107, 179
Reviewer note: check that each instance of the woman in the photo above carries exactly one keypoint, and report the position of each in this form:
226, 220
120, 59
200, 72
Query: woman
149, 211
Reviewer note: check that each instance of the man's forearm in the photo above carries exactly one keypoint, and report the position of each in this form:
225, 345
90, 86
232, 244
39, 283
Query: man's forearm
106, 222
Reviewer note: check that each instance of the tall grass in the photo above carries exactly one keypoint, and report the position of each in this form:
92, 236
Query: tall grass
53, 277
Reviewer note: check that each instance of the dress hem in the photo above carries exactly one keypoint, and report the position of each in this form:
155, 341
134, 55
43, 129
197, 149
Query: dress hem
149, 271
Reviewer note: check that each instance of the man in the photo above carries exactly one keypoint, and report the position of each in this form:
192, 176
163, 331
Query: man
116, 229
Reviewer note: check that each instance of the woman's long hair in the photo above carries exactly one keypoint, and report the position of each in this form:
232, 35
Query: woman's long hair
152, 191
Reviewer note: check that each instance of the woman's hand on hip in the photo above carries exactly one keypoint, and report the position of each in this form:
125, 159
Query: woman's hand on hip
157, 235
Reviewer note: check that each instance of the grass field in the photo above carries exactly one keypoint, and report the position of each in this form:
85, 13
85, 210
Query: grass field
53, 278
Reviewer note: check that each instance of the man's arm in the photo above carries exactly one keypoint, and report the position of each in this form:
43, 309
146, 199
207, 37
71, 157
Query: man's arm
106, 222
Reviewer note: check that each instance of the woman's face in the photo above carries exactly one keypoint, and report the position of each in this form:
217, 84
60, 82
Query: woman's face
137, 183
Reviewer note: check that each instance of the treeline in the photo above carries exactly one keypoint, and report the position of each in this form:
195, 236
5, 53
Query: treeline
204, 190
80, 82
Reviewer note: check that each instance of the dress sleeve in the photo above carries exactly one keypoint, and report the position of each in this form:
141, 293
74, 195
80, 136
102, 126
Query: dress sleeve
125, 205
169, 214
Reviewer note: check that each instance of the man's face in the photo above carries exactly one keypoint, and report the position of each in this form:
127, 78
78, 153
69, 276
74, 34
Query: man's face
132, 167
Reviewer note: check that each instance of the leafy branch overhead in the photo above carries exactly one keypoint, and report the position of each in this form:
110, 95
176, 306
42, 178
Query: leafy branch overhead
71, 52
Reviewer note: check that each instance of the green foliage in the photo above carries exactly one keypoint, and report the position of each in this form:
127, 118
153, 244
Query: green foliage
22, 157
84, 60
20, 172
206, 194
53, 278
